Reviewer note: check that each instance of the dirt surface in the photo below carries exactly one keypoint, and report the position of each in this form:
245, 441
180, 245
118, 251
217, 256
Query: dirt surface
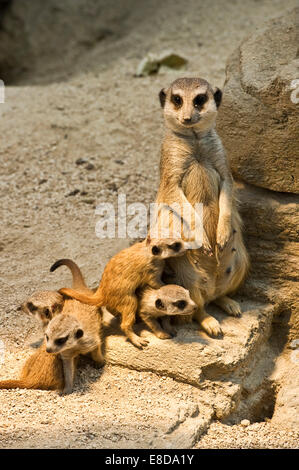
92, 108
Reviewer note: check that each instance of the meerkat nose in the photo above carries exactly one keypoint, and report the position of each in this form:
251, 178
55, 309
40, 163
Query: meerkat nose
49, 350
187, 120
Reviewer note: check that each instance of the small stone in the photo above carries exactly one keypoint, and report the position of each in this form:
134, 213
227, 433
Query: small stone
81, 161
245, 423
90, 166
73, 193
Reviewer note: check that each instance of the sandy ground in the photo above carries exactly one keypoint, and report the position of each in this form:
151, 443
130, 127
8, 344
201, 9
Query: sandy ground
97, 111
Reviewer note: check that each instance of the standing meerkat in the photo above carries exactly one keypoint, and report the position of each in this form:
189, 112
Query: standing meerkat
135, 267
170, 300
194, 169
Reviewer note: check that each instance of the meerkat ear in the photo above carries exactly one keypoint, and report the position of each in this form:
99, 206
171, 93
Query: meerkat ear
162, 97
218, 97
79, 333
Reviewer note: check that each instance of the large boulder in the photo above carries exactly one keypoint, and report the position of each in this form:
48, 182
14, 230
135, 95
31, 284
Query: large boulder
271, 230
258, 120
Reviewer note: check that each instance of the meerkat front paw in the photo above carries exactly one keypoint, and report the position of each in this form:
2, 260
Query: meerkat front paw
231, 307
66, 391
206, 246
224, 233
211, 326
140, 343
163, 335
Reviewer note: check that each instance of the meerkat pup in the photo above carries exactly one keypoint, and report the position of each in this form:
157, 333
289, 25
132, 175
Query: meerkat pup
41, 371
162, 304
77, 330
44, 305
135, 267
194, 169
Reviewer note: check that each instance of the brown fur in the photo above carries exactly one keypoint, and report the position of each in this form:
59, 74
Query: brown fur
133, 268
41, 371
194, 169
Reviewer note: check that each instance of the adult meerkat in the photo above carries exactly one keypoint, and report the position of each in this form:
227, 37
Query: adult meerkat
77, 330
194, 169
41, 371
44, 305
135, 267
164, 303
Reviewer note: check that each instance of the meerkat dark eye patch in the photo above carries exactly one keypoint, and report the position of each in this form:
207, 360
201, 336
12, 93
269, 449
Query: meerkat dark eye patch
176, 246
159, 304
181, 304
61, 341
57, 308
218, 97
47, 313
200, 100
79, 333
177, 100
156, 250
31, 307
162, 97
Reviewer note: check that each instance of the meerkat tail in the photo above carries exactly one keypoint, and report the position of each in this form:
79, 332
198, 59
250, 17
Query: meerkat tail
95, 299
78, 280
10, 384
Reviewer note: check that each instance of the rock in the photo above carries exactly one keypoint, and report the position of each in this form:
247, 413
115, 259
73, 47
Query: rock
258, 119
245, 423
287, 401
271, 230
152, 63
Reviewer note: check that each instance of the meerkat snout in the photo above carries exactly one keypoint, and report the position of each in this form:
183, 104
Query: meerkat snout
63, 333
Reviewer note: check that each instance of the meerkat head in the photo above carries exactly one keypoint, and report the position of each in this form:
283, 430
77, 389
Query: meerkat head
44, 305
172, 300
190, 104
63, 333
166, 247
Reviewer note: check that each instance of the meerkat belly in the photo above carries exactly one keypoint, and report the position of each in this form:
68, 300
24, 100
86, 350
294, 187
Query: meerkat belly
201, 185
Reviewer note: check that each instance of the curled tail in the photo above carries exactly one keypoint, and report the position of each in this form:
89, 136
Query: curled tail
78, 280
9, 384
95, 299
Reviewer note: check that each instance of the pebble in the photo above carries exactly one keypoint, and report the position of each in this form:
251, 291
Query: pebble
245, 423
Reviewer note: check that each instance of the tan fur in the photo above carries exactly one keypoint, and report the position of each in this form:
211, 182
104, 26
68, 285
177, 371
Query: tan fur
44, 305
41, 371
80, 325
133, 268
194, 169
164, 303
